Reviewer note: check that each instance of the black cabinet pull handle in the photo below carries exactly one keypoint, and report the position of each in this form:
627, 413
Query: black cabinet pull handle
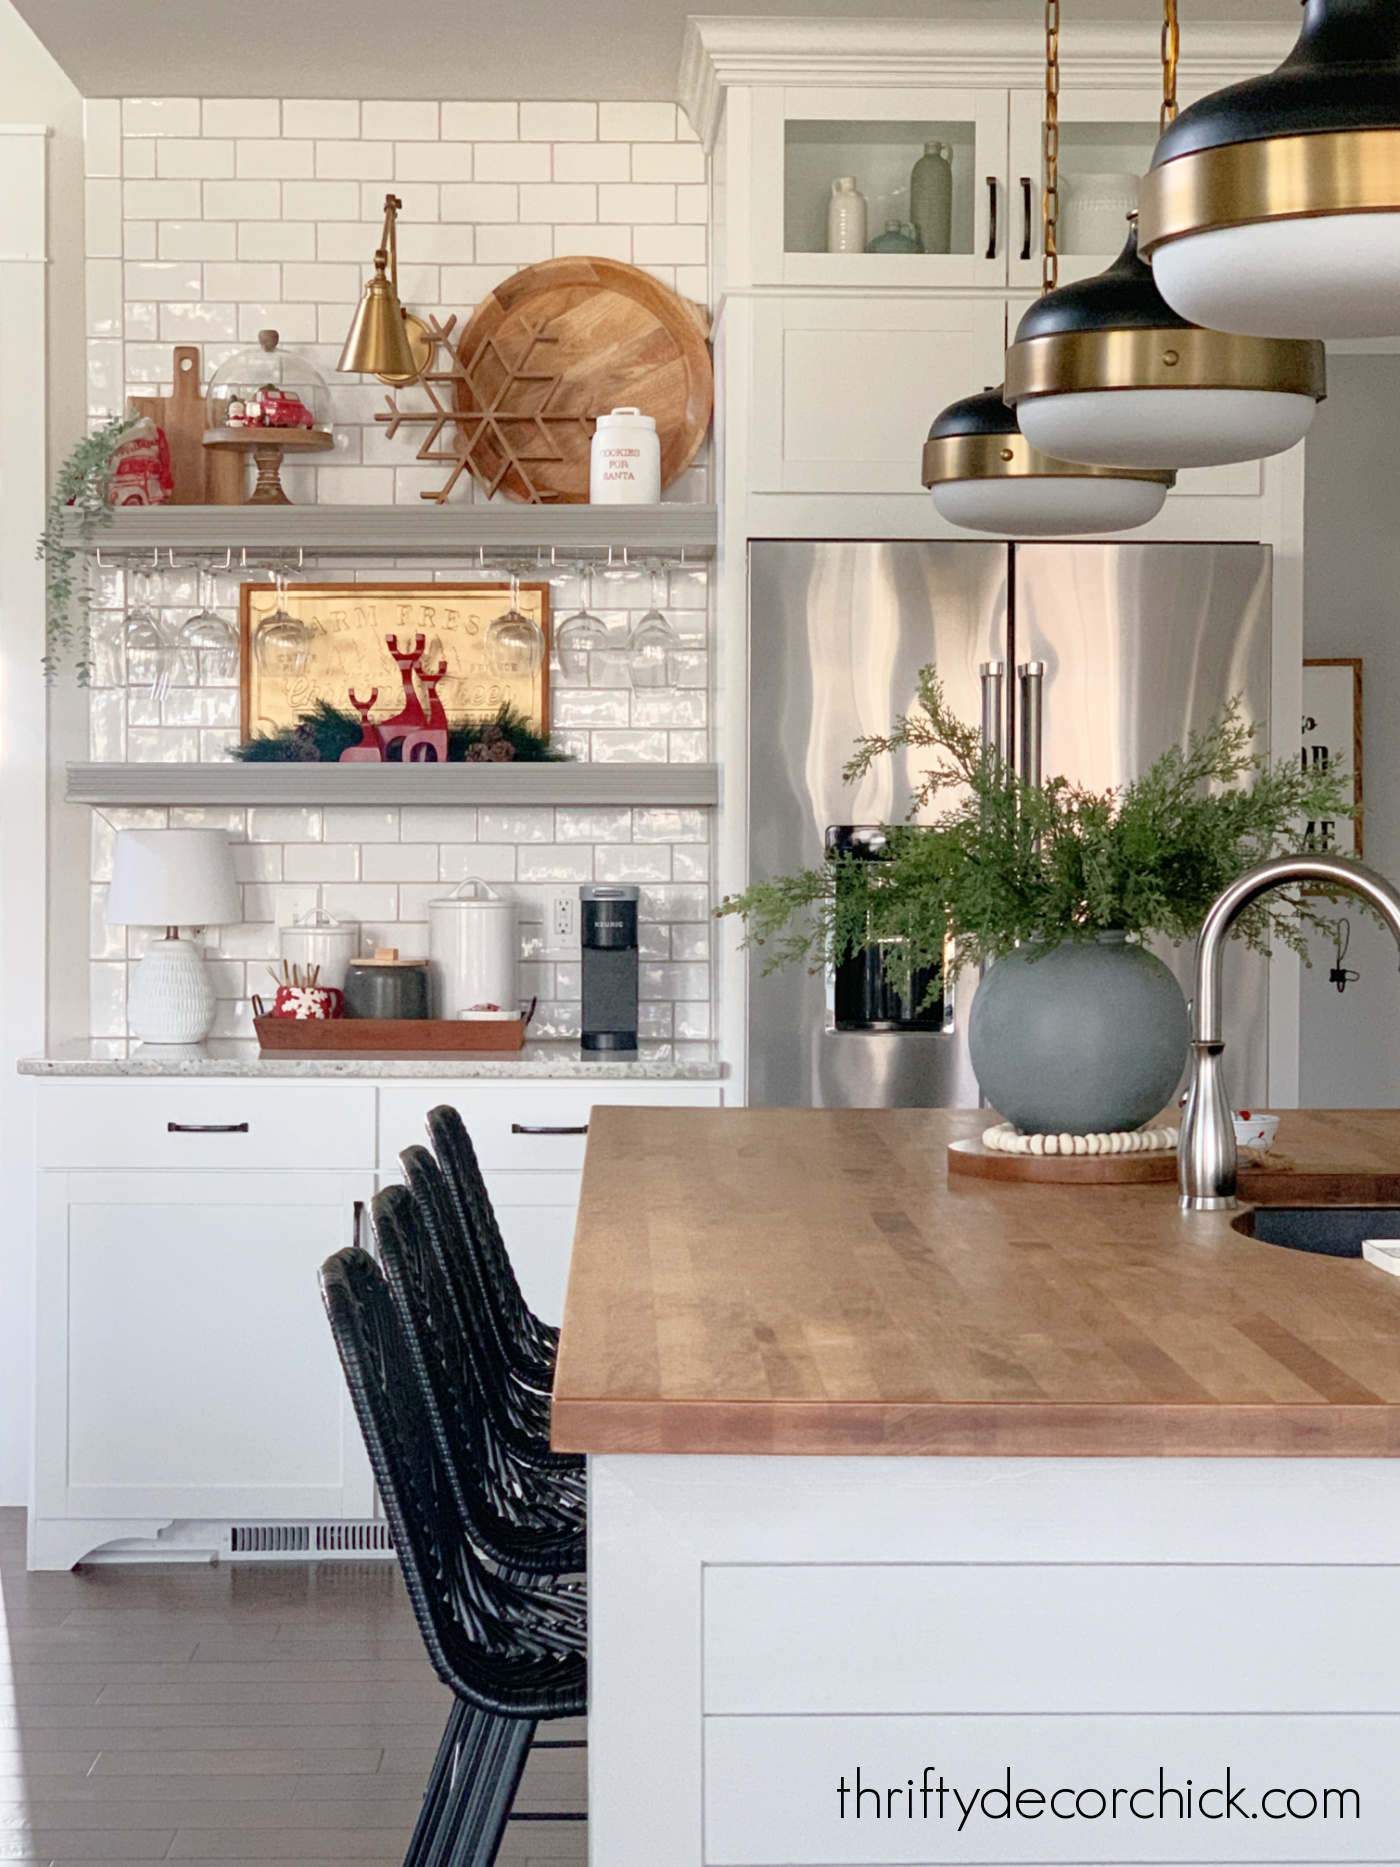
992, 200
206, 1127
357, 1224
1026, 191
520, 1128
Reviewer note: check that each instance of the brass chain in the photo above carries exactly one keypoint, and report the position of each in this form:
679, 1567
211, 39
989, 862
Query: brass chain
1171, 57
1050, 265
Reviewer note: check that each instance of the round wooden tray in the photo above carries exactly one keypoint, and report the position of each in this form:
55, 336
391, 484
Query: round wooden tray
982, 1163
561, 343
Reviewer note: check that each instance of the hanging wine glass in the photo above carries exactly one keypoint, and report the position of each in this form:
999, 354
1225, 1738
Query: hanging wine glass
652, 645
281, 641
150, 654
208, 636
580, 637
514, 641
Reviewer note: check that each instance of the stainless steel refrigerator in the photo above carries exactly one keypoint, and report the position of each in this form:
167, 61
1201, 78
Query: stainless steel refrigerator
1136, 646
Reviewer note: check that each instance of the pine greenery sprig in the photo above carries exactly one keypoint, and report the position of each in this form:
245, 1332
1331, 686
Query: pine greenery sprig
82, 488
1003, 862
327, 730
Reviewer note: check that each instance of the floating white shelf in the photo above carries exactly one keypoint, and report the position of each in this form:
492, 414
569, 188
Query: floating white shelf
413, 531
153, 785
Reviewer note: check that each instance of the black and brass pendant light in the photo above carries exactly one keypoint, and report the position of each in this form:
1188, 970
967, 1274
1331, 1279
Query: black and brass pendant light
1273, 207
1105, 371
985, 474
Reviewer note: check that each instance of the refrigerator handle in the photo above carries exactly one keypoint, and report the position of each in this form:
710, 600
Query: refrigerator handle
1032, 676
993, 736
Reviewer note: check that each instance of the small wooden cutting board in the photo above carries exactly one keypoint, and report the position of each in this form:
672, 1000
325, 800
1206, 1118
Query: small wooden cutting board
202, 477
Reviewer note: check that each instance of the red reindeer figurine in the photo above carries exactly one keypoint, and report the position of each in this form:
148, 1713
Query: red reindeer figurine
433, 737
369, 751
411, 718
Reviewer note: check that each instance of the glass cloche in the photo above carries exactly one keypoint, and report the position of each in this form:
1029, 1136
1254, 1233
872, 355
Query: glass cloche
269, 388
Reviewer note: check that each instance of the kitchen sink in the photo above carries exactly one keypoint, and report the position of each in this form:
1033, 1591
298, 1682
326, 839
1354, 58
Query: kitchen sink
1331, 1231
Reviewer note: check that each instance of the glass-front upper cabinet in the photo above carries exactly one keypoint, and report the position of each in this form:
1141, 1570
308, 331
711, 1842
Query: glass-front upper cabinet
896, 186
1106, 144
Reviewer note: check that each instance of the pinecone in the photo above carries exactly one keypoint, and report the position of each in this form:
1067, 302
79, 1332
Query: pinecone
302, 748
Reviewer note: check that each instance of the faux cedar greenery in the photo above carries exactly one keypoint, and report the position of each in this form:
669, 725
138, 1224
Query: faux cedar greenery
1005, 863
83, 488
327, 731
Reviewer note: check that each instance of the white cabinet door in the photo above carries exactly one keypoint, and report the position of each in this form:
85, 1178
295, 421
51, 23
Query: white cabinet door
186, 1368
802, 137
845, 387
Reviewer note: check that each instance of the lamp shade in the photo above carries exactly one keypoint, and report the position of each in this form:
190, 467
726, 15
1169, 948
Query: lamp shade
1273, 207
378, 343
986, 477
173, 878
1105, 371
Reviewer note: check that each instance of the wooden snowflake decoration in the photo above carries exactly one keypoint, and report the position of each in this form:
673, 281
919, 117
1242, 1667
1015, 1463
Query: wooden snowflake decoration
487, 436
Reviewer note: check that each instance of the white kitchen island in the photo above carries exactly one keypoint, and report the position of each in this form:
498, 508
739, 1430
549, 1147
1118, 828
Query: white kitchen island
951, 1523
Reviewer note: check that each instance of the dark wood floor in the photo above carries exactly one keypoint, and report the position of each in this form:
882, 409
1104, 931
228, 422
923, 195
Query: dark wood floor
262, 1713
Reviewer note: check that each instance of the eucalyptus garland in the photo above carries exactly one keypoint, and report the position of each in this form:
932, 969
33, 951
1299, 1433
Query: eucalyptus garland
81, 490
321, 735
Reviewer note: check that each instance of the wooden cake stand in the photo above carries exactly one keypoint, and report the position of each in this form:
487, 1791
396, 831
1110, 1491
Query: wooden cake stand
267, 446
976, 1161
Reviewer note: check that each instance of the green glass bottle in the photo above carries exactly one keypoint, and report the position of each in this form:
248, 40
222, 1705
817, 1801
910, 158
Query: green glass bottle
931, 198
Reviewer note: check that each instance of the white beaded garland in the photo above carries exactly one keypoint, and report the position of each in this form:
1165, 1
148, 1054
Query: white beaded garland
1004, 1139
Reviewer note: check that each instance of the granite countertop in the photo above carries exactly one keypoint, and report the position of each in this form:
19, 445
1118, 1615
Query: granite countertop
814, 1281
242, 1057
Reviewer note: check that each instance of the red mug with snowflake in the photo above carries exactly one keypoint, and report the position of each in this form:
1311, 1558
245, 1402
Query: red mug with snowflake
308, 1001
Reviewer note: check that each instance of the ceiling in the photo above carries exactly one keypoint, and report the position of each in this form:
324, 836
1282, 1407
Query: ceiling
467, 48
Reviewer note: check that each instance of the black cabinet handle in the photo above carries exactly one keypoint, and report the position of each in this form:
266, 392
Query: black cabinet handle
1026, 194
520, 1128
206, 1127
993, 199
357, 1223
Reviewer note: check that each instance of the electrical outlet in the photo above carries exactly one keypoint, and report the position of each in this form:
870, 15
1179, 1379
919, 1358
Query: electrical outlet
561, 924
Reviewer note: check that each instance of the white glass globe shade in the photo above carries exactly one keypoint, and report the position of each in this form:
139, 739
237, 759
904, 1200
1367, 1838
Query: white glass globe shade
1049, 508
1165, 427
1336, 275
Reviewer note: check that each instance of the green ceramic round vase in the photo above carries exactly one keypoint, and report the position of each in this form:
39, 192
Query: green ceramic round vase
1088, 1037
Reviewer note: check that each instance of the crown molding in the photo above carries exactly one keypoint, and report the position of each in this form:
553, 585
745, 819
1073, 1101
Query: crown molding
722, 52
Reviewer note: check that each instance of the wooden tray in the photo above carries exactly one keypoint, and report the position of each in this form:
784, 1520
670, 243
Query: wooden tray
561, 343
319, 1035
977, 1162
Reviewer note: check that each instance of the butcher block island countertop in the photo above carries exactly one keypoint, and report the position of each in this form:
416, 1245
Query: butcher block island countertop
808, 1281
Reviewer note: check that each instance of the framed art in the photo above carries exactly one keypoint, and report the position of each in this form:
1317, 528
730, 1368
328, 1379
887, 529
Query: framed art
285, 673
1332, 731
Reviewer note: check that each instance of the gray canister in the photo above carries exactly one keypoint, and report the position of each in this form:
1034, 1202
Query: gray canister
386, 986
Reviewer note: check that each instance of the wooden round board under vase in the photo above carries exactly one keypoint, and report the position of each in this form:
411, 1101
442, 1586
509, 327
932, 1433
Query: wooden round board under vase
561, 343
977, 1162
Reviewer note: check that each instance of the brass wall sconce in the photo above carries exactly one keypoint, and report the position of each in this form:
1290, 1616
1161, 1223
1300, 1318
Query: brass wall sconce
385, 340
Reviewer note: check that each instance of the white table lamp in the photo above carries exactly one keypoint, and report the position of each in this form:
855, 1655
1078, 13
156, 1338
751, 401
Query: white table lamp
172, 879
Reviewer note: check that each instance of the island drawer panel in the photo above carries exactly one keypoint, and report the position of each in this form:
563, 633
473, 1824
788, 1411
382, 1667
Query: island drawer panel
1042, 1789
504, 1119
1081, 1638
223, 1124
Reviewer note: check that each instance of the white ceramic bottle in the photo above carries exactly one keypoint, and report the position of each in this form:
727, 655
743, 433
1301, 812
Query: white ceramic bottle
625, 462
845, 217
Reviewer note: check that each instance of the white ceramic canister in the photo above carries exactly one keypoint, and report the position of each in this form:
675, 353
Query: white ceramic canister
845, 217
1094, 210
625, 463
319, 939
473, 951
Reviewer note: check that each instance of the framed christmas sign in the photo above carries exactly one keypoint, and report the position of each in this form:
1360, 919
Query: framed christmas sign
376, 648
1332, 735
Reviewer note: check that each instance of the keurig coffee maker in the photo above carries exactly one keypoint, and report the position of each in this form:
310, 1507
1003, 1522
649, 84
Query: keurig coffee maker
608, 937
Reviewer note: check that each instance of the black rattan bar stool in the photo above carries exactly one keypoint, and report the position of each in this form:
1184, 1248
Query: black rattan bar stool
531, 1345
512, 1655
523, 1514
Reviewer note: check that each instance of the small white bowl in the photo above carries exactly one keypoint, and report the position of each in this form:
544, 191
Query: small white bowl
1256, 1131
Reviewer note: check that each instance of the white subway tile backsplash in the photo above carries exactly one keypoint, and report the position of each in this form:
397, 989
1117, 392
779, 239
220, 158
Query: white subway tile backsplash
139, 239
518, 824
610, 748
488, 862
566, 201
688, 748
242, 280
242, 116
691, 863
592, 162
480, 122
554, 862
399, 862
399, 121
320, 116
107, 998
138, 159
433, 162
317, 282
673, 246
270, 239
235, 200
196, 240
361, 901
277, 158
480, 201
160, 116
321, 200
103, 210
598, 825
690, 941
105, 313
693, 1021
639, 203
606, 242
516, 246
675, 903
559, 123
668, 162
357, 161
283, 823
353, 823
636, 123
200, 156
166, 200
513, 162
632, 862
102, 136
296, 324
198, 324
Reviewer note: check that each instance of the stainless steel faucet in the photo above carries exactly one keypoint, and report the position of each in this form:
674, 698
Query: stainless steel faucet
1206, 1164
